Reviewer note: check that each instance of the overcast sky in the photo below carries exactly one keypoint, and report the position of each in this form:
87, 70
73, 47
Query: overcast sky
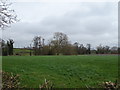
85, 22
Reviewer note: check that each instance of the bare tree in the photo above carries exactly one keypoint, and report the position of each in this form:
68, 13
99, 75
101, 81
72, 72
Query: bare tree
82, 49
76, 46
114, 50
38, 45
103, 49
60, 41
7, 15
88, 49
106, 49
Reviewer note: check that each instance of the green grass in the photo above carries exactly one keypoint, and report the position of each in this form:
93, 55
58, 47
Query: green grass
20, 50
63, 71
23, 52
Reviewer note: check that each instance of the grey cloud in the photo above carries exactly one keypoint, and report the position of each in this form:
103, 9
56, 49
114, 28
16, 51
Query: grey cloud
91, 24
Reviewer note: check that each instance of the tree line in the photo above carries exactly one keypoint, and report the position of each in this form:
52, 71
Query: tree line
58, 45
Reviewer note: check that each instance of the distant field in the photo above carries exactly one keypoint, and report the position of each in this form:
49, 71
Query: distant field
63, 71
23, 52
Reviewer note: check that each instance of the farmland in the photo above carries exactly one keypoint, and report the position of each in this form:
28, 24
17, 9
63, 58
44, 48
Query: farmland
63, 71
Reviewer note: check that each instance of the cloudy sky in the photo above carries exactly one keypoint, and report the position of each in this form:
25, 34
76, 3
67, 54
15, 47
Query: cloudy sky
85, 22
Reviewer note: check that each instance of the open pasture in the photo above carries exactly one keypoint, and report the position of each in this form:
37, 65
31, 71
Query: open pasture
63, 71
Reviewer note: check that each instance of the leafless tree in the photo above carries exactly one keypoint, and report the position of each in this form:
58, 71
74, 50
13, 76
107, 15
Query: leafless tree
114, 50
88, 48
60, 41
38, 45
7, 15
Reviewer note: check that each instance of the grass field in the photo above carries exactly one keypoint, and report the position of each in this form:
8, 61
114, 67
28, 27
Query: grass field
23, 52
63, 71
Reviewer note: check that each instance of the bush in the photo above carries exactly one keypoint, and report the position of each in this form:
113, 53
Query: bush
47, 85
110, 85
10, 80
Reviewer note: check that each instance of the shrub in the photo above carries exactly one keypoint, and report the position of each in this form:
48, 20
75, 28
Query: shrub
110, 85
10, 80
47, 85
